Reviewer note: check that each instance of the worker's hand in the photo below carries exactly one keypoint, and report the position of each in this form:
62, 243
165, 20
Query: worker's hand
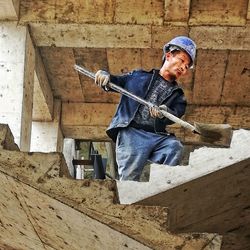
155, 112
102, 78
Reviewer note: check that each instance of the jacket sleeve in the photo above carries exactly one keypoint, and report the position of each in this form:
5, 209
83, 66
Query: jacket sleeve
119, 80
177, 107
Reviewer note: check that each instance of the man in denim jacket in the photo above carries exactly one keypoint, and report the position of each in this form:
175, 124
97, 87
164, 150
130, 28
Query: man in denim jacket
140, 132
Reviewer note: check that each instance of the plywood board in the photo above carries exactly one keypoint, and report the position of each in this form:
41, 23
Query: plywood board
236, 89
209, 75
223, 12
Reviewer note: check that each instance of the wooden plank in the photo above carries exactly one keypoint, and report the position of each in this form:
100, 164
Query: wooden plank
236, 89
139, 12
223, 12
43, 96
209, 75
87, 114
95, 133
28, 87
177, 11
9, 9
216, 37
91, 35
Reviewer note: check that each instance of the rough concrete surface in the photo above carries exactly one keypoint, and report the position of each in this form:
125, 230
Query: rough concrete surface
6, 138
201, 162
211, 194
45, 176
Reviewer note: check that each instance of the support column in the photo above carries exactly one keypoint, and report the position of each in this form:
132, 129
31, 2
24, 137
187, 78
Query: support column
47, 136
17, 62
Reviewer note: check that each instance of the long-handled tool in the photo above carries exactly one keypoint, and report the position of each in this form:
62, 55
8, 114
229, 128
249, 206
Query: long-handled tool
218, 134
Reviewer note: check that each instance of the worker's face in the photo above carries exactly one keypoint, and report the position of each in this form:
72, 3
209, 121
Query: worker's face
176, 64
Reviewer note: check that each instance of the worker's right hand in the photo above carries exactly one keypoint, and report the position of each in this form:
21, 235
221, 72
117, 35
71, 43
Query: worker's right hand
102, 78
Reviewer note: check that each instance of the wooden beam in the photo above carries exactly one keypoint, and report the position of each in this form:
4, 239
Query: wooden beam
89, 121
95, 133
137, 36
91, 35
28, 88
43, 96
9, 9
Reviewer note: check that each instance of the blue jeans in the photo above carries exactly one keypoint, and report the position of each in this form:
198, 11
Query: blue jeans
134, 147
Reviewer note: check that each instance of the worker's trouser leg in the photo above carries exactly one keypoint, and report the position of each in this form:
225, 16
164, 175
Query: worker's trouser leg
134, 147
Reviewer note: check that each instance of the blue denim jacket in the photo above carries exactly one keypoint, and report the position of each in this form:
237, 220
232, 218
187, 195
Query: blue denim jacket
138, 82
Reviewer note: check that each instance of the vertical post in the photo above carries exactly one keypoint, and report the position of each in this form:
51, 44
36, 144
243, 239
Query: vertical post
17, 64
47, 136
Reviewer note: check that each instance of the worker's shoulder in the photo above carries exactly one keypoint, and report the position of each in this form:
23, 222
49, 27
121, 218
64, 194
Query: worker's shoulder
143, 71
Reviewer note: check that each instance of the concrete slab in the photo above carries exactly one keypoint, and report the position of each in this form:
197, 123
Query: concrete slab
211, 194
91, 203
201, 162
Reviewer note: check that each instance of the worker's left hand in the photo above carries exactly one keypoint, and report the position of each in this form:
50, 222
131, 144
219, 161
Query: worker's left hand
155, 112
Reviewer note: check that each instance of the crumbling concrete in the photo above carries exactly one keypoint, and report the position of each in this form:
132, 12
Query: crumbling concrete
45, 176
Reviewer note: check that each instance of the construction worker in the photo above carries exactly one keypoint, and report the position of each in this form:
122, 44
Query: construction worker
140, 132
